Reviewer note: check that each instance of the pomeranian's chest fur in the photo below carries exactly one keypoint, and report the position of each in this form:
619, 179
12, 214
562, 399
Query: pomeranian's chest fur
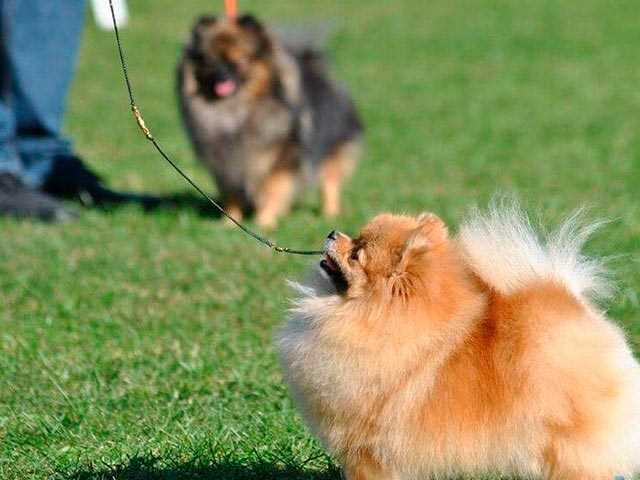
379, 387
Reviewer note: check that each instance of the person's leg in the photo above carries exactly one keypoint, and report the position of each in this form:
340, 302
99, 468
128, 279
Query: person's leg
9, 161
16, 198
41, 40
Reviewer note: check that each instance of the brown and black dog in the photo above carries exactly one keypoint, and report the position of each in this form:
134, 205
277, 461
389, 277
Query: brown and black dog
265, 118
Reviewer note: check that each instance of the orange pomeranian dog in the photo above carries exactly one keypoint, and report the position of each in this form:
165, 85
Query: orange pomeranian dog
414, 355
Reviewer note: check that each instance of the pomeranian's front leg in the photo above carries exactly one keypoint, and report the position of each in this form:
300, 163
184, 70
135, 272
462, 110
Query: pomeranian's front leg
367, 468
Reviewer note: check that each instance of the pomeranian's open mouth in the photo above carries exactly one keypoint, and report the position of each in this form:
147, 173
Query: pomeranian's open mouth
333, 270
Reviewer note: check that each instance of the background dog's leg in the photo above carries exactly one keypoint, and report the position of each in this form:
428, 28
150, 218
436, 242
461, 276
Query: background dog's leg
333, 172
275, 197
233, 206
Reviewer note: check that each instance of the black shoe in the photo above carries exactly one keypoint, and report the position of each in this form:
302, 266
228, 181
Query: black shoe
71, 178
18, 200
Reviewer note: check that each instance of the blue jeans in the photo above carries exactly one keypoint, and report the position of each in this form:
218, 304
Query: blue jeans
40, 40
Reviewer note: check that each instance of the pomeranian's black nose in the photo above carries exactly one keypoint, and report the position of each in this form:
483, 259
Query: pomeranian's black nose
333, 235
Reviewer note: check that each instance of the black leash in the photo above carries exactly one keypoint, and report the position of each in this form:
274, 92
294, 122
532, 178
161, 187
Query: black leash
147, 133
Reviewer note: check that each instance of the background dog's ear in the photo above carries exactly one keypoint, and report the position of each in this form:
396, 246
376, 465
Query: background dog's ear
204, 22
250, 23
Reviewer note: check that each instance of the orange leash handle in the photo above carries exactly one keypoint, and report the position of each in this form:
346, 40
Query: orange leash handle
231, 9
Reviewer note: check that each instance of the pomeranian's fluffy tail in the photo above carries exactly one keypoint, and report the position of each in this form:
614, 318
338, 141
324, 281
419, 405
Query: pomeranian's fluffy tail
505, 251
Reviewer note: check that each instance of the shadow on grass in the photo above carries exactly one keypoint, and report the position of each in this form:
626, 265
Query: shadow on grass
148, 468
171, 202
190, 201
197, 203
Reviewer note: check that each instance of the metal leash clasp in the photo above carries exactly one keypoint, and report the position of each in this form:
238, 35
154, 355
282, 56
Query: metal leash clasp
140, 121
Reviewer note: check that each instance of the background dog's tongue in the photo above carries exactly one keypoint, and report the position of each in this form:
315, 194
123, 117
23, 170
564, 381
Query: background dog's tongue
225, 88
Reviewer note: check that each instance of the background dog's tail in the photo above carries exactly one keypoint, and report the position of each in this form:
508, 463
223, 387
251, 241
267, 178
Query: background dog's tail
506, 252
312, 35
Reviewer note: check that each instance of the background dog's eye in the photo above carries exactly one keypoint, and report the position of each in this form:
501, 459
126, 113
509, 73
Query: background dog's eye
354, 254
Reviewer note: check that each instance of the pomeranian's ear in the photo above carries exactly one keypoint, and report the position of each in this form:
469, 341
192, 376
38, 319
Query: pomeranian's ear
430, 232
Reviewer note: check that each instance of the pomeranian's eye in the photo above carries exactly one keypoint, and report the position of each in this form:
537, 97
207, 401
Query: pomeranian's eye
358, 255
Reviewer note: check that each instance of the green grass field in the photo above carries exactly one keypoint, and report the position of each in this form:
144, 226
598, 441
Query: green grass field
137, 345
